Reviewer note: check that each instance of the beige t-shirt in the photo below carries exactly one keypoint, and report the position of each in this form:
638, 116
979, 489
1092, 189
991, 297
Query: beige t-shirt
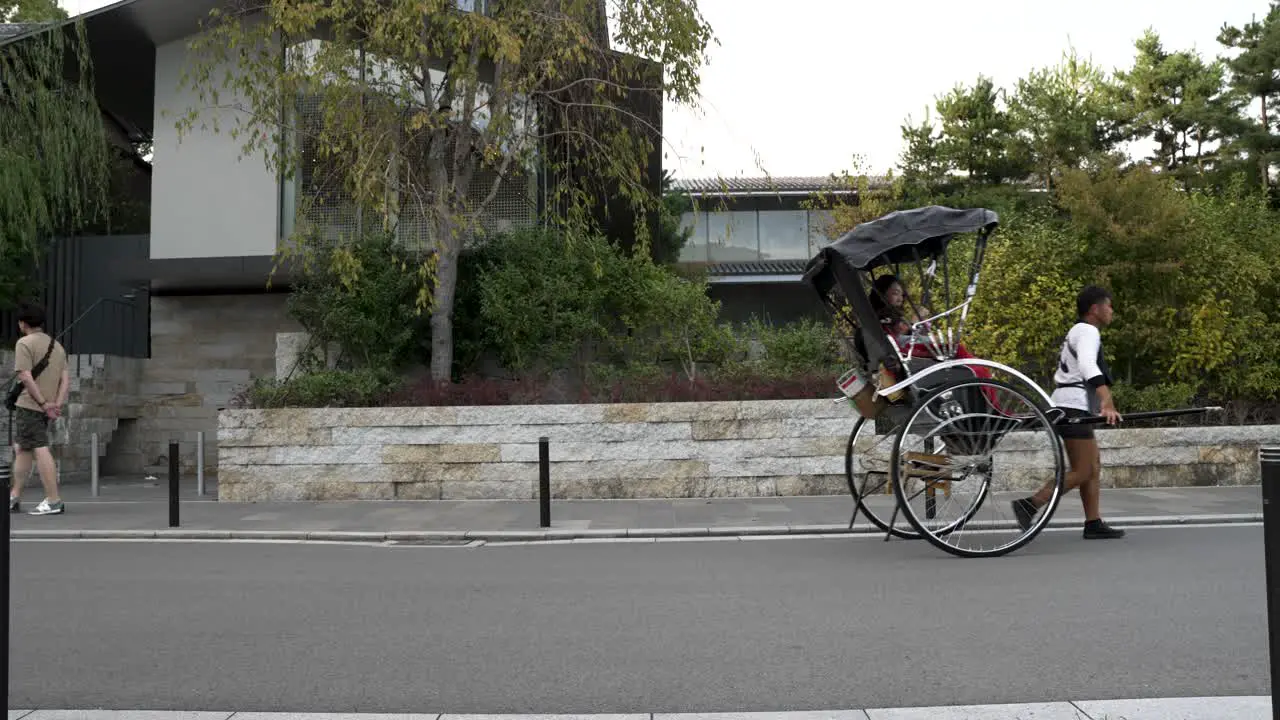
29, 351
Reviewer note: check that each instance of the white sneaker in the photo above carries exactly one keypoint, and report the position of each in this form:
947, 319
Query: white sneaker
47, 508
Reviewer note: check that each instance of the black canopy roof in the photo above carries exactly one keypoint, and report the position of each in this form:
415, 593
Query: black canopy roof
900, 235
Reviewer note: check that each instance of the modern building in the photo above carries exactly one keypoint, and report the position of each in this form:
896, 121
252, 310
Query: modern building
754, 236
194, 283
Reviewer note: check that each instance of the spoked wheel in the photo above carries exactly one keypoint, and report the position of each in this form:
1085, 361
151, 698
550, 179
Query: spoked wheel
968, 450
867, 459
868, 469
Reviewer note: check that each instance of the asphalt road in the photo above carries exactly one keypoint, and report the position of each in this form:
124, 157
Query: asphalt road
792, 624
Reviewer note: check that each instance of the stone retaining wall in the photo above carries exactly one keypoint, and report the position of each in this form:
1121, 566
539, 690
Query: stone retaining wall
731, 449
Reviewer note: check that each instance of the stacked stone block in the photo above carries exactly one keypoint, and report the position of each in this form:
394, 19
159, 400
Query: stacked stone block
673, 450
204, 350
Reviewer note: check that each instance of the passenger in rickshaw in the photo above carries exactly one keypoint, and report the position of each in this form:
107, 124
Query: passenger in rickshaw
888, 298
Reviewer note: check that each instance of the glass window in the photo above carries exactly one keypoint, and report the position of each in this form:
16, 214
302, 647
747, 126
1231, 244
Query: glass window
695, 249
732, 236
784, 235
819, 230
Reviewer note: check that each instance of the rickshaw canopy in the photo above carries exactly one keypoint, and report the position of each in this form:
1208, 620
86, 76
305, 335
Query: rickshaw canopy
904, 235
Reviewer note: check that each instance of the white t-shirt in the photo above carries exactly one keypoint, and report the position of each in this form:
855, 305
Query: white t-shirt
1080, 362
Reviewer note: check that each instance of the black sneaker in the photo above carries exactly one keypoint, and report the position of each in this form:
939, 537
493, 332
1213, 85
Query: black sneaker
1098, 530
1024, 510
14, 505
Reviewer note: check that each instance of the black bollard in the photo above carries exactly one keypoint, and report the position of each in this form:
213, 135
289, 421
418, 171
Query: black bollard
173, 484
6, 473
544, 482
1269, 458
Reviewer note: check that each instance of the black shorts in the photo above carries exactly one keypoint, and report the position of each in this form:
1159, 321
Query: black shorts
1075, 432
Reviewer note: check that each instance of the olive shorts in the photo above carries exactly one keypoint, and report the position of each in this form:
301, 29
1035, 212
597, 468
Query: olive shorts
30, 429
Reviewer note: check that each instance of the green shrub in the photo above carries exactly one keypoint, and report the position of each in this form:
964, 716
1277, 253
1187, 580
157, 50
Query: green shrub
363, 387
536, 299
1026, 294
1197, 292
1130, 399
805, 346
362, 296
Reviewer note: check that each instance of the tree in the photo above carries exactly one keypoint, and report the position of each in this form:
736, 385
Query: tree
922, 163
30, 11
1064, 116
978, 134
1176, 99
54, 154
1255, 77
671, 237
425, 110
853, 197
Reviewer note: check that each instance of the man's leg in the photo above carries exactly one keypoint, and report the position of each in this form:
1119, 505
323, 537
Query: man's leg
32, 433
1094, 527
1083, 455
48, 474
21, 469
1091, 486
1086, 472
1080, 458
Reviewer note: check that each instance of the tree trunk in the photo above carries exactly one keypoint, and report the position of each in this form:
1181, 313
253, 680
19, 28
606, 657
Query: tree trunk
1266, 161
446, 279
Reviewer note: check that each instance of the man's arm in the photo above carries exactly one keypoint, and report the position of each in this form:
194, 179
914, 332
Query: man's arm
33, 390
64, 389
23, 363
1087, 346
1087, 357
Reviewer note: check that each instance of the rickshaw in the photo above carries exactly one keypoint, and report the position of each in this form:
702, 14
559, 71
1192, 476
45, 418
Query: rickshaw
950, 434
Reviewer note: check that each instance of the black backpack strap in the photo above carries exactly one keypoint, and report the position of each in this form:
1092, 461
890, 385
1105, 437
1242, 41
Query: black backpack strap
44, 361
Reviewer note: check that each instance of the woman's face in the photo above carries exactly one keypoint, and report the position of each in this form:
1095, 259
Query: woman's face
894, 295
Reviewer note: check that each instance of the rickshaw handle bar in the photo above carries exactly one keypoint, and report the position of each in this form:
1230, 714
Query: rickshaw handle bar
1096, 419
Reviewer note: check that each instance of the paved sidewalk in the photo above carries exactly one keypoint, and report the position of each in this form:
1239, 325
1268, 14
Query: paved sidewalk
141, 509
1207, 708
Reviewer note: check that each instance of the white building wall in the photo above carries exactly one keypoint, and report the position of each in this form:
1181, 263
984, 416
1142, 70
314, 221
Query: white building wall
206, 200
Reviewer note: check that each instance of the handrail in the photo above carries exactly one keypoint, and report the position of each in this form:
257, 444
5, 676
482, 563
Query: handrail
88, 310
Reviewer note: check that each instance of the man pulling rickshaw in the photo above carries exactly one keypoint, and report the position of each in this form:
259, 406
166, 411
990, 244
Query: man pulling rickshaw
942, 428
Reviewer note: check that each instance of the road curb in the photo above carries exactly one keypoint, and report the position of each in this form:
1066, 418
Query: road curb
430, 537
1243, 707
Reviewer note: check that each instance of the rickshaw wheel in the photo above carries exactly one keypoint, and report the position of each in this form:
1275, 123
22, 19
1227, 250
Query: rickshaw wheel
948, 446
877, 481
867, 488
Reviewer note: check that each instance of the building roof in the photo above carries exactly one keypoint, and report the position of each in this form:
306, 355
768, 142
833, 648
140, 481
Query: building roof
13, 30
752, 271
758, 267
123, 37
786, 184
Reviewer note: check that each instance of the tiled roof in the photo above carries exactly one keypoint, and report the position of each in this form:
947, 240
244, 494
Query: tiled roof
8, 30
762, 184
760, 267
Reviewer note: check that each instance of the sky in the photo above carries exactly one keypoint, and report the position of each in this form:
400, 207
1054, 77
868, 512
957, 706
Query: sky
807, 86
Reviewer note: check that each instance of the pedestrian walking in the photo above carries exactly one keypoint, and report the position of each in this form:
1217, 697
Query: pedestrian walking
35, 401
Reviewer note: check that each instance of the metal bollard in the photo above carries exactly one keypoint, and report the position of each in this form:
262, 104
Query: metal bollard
6, 474
200, 463
1269, 458
173, 484
93, 463
544, 482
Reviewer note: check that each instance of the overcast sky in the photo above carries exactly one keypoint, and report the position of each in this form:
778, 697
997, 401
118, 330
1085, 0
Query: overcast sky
801, 87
